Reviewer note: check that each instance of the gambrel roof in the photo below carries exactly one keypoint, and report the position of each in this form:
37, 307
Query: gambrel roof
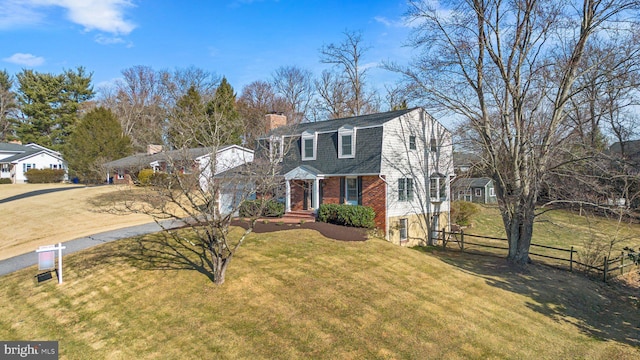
368, 144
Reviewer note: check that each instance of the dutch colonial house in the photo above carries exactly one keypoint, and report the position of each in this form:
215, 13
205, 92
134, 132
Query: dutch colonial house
399, 163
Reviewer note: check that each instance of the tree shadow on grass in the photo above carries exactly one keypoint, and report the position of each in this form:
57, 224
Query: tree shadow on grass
603, 311
158, 251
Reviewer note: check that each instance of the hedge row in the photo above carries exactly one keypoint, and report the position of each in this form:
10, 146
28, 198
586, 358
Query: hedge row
270, 208
44, 176
347, 215
5, 181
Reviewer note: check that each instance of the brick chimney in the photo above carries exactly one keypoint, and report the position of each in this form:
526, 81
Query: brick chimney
275, 120
153, 149
15, 142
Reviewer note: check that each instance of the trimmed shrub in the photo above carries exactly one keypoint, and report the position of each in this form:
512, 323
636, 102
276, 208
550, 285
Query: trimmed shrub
144, 177
270, 208
44, 176
463, 211
5, 181
347, 215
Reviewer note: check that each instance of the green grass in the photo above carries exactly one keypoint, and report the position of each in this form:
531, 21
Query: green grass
559, 228
296, 294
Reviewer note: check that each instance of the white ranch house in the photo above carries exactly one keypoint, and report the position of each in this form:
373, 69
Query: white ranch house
16, 159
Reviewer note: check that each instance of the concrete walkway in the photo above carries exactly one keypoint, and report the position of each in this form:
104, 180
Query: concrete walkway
25, 260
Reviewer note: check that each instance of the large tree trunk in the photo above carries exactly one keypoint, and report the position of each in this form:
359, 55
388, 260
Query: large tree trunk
518, 222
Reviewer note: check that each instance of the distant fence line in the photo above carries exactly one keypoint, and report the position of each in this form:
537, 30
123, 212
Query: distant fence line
610, 265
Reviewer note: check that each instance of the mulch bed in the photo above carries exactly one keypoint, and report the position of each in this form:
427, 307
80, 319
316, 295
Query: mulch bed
336, 232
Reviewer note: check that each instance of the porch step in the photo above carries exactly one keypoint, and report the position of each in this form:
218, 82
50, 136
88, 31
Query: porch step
308, 216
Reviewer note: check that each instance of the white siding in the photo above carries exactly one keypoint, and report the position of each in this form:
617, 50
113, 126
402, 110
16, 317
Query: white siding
399, 161
42, 160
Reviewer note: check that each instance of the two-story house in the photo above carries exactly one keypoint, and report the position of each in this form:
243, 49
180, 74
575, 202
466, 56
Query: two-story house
399, 163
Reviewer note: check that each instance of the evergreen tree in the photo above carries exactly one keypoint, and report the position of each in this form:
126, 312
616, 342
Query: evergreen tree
223, 112
97, 138
189, 121
8, 107
49, 105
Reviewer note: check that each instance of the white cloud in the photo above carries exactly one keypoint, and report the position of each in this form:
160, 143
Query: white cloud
101, 15
390, 23
25, 59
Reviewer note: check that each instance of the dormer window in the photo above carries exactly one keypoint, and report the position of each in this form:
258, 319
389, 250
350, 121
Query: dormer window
309, 145
346, 142
275, 148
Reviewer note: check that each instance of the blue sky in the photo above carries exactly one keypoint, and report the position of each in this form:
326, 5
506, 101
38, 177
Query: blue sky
244, 40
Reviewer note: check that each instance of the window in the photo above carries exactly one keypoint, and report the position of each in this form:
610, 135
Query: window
351, 191
404, 230
434, 144
26, 167
5, 167
478, 192
120, 176
438, 188
346, 142
405, 189
492, 192
308, 146
412, 142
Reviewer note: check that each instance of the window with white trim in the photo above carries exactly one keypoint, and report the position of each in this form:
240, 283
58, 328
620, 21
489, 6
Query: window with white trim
434, 144
405, 189
478, 192
412, 142
5, 168
492, 192
346, 142
404, 229
351, 191
308, 146
26, 167
438, 188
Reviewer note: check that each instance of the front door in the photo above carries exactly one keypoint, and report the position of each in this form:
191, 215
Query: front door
307, 199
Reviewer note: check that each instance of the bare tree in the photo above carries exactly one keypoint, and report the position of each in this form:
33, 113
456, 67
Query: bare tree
509, 69
334, 95
257, 99
138, 102
295, 86
202, 191
346, 57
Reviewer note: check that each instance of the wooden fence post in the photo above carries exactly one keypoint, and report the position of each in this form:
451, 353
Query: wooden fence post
606, 268
444, 238
462, 240
571, 260
622, 263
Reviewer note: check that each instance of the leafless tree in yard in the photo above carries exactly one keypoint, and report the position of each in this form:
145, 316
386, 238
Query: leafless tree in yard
257, 99
187, 192
509, 70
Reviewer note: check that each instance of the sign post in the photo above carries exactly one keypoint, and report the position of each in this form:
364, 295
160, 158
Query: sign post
46, 258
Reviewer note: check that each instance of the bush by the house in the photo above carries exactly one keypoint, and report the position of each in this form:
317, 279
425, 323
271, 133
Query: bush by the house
463, 211
44, 176
144, 177
5, 181
270, 208
347, 215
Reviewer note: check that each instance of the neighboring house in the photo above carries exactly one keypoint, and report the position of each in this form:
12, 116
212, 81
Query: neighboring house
476, 190
399, 163
16, 159
186, 161
464, 163
125, 170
